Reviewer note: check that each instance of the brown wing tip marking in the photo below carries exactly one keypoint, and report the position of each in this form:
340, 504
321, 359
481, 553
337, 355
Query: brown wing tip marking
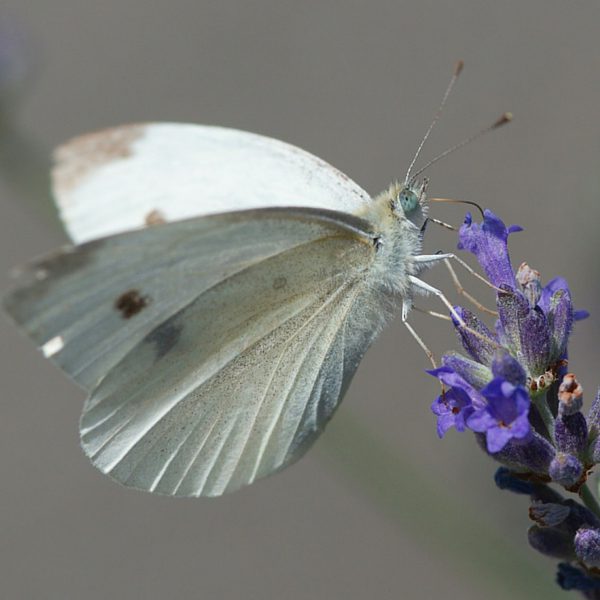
131, 303
154, 217
83, 154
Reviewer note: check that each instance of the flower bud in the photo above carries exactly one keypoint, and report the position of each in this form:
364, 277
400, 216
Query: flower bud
594, 451
472, 372
476, 345
507, 367
536, 343
505, 480
580, 516
533, 454
593, 419
545, 494
561, 320
570, 395
570, 433
513, 308
529, 280
565, 469
573, 578
587, 546
548, 514
550, 541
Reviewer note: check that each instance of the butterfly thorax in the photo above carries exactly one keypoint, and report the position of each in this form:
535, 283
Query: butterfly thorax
400, 234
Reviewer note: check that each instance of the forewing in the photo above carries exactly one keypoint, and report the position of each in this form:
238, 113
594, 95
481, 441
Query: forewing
239, 383
87, 307
139, 175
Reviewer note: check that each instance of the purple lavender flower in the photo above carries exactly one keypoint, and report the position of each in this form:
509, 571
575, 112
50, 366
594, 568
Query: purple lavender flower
488, 242
507, 367
454, 406
504, 416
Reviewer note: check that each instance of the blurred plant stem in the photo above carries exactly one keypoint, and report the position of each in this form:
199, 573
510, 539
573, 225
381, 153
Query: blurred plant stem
589, 499
24, 167
435, 519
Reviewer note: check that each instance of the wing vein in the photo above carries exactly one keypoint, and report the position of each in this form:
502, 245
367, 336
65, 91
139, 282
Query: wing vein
275, 418
343, 321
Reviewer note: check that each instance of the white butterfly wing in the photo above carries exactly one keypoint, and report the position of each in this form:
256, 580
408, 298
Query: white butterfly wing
132, 176
86, 307
252, 328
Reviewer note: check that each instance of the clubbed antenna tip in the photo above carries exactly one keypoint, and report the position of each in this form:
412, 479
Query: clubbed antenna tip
459, 67
503, 120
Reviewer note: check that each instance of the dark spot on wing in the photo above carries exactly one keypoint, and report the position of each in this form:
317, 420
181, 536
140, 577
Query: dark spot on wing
164, 337
131, 303
279, 283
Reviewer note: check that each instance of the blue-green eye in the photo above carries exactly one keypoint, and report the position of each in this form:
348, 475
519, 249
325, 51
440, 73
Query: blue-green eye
408, 200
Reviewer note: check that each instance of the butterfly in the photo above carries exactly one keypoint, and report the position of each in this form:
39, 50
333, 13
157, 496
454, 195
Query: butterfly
220, 294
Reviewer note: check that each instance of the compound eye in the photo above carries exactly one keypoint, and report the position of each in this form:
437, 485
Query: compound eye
408, 200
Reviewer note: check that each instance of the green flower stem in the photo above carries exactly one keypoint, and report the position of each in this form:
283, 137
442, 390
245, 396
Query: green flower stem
589, 499
547, 417
435, 519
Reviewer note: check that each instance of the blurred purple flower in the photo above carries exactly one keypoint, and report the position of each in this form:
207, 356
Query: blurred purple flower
15, 60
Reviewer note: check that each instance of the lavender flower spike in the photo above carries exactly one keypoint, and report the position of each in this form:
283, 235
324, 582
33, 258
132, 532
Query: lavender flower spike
513, 391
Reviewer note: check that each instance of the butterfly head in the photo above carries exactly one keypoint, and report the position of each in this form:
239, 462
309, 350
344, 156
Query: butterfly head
410, 201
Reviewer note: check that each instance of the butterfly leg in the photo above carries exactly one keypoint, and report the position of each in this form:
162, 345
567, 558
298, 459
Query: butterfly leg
422, 287
431, 259
406, 307
462, 292
442, 224
432, 313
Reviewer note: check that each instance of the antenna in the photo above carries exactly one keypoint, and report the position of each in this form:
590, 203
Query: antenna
457, 69
502, 120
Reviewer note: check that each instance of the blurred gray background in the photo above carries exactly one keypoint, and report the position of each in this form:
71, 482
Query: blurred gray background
380, 508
